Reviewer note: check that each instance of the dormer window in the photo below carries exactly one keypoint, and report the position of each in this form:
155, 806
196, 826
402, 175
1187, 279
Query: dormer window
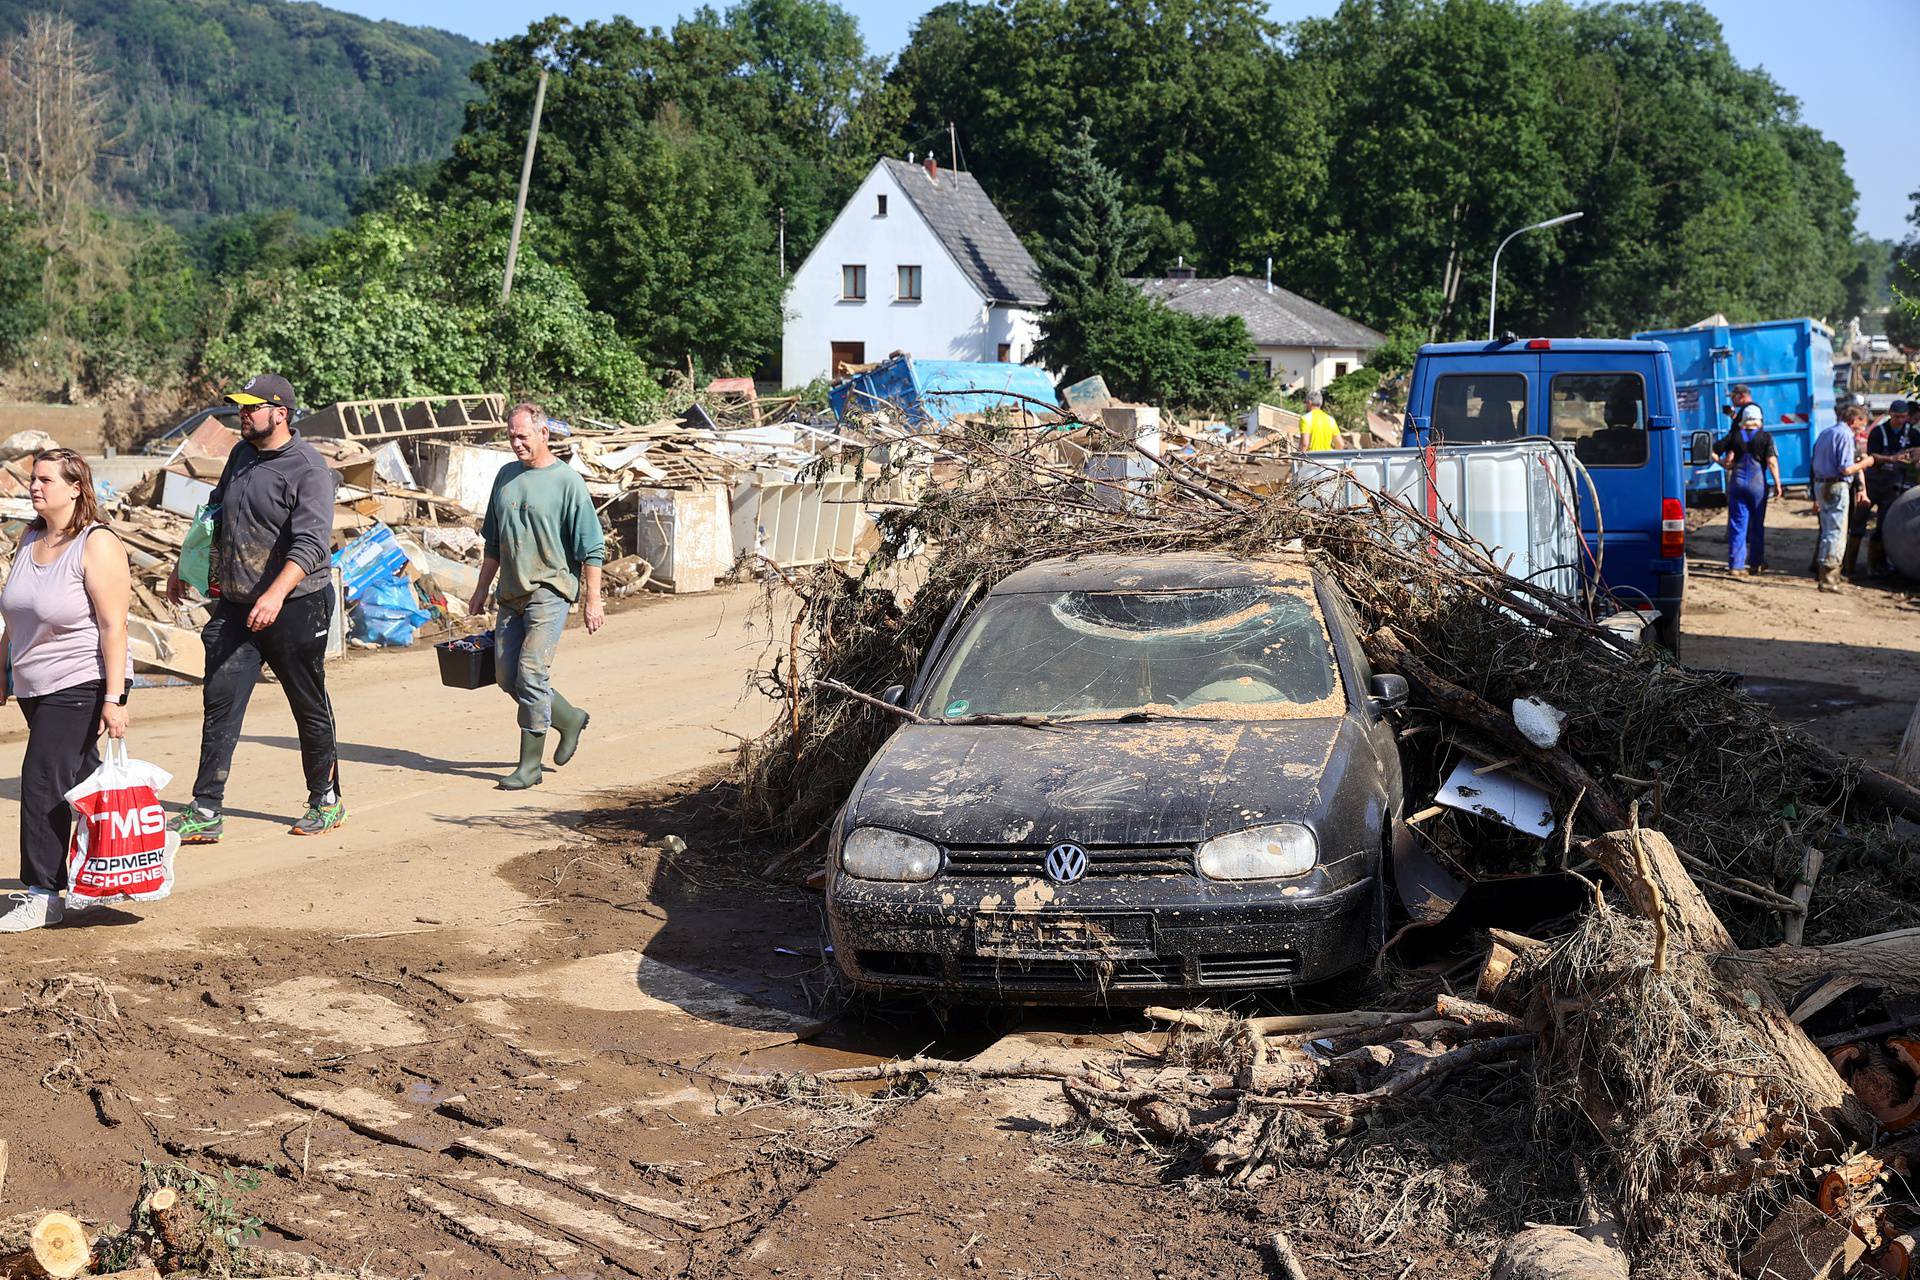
880, 206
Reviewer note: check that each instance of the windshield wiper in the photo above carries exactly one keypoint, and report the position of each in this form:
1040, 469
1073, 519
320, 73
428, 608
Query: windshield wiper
1024, 722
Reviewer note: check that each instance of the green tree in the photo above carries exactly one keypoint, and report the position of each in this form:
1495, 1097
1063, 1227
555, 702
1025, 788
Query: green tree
1096, 242
1903, 316
407, 303
1150, 353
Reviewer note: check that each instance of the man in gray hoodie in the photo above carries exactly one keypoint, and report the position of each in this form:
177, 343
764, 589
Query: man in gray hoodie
271, 576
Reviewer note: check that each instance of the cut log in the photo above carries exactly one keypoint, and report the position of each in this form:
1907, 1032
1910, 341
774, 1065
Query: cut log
1644, 866
1889, 958
44, 1244
160, 1207
1802, 1244
1558, 1253
1494, 970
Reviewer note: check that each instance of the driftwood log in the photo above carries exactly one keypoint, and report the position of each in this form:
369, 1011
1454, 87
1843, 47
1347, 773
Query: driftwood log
1644, 866
1889, 958
44, 1244
1558, 1253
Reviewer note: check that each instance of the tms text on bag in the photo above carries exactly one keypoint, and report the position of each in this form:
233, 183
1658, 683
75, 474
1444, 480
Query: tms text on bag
121, 848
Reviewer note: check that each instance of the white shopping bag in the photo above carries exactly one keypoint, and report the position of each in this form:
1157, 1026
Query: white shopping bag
121, 848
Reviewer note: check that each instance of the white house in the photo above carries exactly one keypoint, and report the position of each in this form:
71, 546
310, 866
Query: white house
919, 261
1301, 343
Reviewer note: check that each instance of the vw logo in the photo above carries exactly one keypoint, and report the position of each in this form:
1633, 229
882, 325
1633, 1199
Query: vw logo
1066, 863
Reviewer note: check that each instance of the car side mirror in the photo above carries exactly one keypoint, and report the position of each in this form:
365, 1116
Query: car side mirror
1390, 692
1700, 449
893, 694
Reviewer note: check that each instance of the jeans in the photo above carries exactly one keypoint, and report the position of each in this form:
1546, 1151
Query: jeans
1831, 499
525, 636
63, 747
295, 649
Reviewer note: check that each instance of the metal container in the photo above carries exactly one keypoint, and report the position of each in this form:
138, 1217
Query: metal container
1521, 499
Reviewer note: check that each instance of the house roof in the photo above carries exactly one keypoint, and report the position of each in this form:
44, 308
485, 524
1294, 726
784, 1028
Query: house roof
973, 231
1276, 319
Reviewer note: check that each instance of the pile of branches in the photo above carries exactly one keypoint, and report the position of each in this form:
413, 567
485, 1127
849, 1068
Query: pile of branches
1748, 798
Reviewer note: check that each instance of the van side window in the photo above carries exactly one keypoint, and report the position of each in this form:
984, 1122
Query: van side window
1479, 408
1603, 415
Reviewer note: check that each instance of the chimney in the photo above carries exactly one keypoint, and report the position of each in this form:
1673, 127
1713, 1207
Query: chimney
1180, 270
933, 169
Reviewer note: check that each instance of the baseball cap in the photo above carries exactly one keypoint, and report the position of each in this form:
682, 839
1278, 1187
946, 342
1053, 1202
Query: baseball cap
1898, 406
265, 388
1751, 413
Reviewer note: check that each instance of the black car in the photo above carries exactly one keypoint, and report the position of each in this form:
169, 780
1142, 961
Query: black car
1200, 797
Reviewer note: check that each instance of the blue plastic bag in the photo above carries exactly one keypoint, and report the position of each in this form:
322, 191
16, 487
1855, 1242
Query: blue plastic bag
387, 613
368, 560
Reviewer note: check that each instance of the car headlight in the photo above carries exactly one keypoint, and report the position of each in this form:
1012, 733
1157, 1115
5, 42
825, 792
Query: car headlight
1262, 853
874, 853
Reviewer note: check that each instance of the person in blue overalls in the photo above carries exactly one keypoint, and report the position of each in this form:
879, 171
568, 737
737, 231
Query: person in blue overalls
1748, 455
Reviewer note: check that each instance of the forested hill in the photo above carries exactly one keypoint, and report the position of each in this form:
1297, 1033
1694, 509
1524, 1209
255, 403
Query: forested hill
235, 106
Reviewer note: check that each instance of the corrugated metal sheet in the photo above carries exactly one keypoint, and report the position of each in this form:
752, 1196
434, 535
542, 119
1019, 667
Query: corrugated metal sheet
1520, 498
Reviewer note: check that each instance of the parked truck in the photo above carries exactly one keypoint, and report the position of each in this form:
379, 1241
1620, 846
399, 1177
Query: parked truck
1614, 403
1786, 364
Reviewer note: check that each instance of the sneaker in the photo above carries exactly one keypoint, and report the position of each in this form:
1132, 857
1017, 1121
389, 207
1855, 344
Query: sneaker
320, 819
32, 911
196, 827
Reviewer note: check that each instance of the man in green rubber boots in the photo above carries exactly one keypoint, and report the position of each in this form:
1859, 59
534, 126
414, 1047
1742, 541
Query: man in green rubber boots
543, 540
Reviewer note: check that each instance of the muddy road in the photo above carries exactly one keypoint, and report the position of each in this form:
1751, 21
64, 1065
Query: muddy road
488, 1034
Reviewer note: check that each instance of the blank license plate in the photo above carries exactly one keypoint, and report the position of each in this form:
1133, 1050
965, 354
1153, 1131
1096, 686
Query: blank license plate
1007, 935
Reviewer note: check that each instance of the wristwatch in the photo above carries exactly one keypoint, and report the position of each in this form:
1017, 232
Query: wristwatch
122, 699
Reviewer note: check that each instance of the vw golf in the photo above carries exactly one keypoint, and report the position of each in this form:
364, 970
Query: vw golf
1126, 777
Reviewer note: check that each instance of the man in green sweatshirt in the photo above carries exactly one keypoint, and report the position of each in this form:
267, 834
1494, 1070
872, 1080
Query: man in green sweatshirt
543, 540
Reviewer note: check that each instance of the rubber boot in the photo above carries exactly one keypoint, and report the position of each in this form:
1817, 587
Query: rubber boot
1850, 559
568, 723
532, 747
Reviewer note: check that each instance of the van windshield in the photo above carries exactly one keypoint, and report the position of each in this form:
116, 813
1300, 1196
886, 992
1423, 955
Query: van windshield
1251, 652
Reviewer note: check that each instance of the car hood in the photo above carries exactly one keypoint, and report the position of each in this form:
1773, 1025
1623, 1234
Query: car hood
1161, 782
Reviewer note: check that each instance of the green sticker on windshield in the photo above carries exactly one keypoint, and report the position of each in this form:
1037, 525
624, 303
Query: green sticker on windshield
958, 707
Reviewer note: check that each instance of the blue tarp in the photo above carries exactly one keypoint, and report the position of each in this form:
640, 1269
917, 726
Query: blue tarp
935, 391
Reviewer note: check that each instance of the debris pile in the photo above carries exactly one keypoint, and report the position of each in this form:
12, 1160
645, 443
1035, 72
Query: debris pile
1661, 1002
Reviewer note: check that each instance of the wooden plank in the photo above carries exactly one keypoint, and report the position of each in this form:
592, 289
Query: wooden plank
501, 1144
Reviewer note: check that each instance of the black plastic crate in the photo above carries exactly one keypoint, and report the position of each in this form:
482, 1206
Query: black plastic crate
467, 668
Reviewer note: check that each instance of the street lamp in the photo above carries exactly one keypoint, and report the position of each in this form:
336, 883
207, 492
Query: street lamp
1493, 292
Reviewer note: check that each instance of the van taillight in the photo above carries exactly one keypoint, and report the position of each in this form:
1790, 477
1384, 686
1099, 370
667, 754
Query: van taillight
1673, 529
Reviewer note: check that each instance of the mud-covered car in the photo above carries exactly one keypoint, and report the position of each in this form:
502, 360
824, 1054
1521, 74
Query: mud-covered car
1198, 792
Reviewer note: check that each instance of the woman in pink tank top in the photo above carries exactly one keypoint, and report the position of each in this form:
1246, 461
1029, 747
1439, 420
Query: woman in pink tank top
65, 603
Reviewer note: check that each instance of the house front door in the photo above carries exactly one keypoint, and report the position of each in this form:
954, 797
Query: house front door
845, 354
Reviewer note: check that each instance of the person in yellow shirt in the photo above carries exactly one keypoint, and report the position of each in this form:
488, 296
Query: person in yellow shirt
1318, 431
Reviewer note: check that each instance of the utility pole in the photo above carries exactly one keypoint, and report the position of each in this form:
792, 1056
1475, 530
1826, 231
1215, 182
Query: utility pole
526, 176
953, 147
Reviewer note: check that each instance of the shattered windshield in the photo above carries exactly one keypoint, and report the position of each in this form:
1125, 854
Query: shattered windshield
1227, 653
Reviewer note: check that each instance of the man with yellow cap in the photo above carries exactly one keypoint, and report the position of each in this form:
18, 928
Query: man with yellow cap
271, 553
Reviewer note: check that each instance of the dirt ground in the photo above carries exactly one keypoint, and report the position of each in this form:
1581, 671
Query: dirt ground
484, 1034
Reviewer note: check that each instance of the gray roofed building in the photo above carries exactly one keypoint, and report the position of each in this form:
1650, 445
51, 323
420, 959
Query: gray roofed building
973, 231
1276, 318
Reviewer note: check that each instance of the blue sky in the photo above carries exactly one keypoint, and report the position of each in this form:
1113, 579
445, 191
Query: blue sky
1824, 54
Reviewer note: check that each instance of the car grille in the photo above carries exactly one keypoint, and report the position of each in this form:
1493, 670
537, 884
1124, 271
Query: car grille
1019, 860
1276, 966
1068, 973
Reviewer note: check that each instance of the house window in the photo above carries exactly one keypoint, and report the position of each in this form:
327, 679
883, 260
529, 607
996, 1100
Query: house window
909, 284
853, 283
880, 206
1005, 353
1340, 369
1262, 367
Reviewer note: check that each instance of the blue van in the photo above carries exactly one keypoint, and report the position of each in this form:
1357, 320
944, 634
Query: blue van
1614, 402
1786, 364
